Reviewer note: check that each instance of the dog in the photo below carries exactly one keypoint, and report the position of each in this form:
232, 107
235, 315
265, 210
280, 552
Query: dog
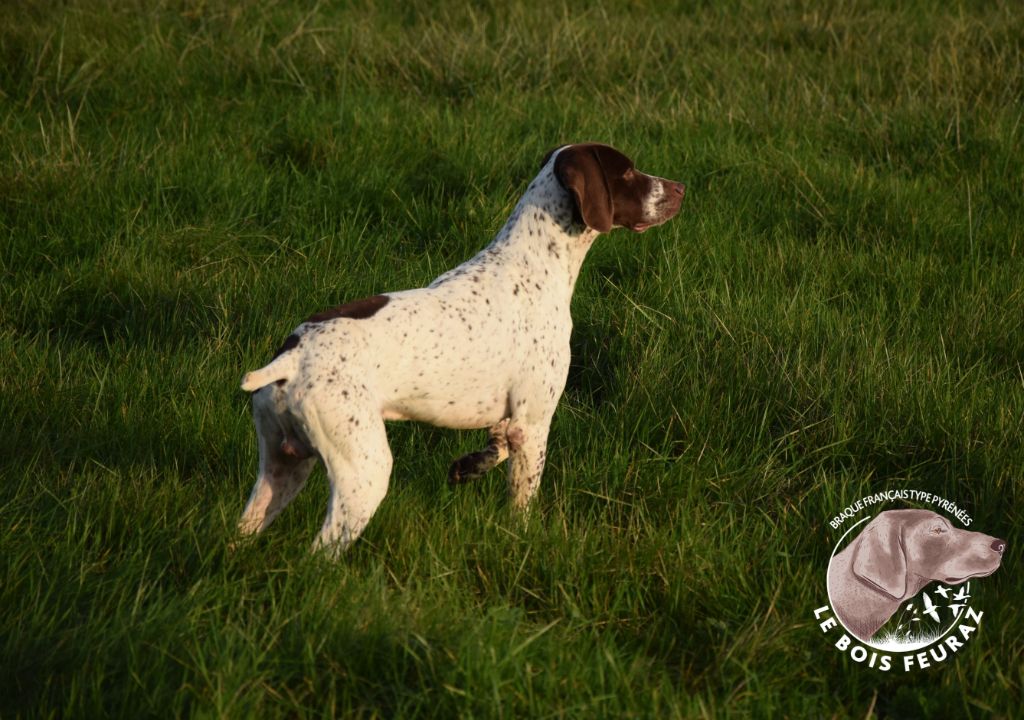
895, 556
485, 345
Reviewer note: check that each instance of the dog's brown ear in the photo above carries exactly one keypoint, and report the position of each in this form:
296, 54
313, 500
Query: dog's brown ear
879, 557
578, 168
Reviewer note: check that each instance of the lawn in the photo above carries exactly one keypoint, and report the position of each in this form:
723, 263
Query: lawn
837, 311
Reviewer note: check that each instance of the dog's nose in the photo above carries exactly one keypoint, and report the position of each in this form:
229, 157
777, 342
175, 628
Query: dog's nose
677, 188
999, 546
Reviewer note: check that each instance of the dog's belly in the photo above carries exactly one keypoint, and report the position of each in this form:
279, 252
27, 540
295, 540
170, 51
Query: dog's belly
472, 410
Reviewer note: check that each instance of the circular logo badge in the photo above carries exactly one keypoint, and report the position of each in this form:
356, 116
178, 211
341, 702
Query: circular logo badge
899, 581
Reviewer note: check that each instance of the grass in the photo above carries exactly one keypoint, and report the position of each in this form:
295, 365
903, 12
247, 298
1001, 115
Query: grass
837, 311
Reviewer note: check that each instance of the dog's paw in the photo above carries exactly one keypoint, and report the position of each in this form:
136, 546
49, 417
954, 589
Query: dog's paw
468, 468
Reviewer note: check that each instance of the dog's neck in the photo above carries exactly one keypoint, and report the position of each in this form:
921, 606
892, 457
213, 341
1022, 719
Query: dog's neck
859, 607
544, 228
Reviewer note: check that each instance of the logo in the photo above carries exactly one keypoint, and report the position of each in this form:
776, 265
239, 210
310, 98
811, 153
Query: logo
901, 582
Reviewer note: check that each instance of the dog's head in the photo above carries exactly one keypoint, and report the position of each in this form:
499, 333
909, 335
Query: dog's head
608, 191
901, 546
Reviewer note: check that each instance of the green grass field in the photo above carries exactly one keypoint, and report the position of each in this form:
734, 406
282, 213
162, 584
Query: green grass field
836, 311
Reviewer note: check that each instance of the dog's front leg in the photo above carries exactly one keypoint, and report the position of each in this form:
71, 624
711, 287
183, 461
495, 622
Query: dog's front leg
527, 452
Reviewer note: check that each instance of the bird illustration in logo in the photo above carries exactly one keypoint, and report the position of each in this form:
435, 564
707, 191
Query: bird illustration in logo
930, 608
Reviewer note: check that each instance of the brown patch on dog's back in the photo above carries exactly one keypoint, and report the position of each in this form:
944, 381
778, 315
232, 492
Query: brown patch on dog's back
356, 310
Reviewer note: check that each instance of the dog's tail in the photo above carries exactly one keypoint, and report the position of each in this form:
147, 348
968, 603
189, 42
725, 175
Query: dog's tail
279, 369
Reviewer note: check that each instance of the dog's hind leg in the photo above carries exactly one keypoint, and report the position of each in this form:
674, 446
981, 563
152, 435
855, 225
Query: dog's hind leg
474, 465
358, 461
285, 464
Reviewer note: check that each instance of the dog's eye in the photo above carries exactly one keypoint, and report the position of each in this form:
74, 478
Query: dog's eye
938, 530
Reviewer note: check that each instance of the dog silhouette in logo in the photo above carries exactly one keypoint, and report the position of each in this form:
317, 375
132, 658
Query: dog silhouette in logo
895, 556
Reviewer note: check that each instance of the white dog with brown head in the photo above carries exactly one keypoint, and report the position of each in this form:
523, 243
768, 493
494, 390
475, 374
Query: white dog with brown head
486, 345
